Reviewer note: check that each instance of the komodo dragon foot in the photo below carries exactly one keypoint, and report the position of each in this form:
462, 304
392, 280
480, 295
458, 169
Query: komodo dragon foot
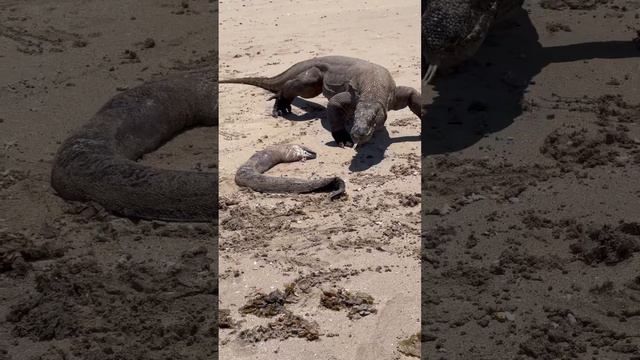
342, 138
281, 107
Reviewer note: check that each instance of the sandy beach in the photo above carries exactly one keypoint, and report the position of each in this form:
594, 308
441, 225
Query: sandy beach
367, 242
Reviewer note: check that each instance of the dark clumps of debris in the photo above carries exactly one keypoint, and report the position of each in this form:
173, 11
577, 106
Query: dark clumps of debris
635, 283
554, 27
17, 252
130, 56
225, 321
269, 305
149, 43
586, 148
358, 304
606, 244
410, 200
283, 327
606, 287
571, 4
636, 40
410, 346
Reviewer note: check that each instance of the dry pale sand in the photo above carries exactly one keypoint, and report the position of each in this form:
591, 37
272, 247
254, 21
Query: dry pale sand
531, 192
75, 282
367, 242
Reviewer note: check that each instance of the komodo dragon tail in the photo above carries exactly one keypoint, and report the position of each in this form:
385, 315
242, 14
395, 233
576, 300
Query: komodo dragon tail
98, 162
270, 84
275, 83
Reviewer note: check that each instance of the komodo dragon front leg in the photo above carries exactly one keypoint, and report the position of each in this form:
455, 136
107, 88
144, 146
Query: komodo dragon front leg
307, 85
339, 109
407, 96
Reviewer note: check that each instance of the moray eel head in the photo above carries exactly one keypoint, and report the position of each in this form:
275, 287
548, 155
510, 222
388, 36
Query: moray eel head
303, 152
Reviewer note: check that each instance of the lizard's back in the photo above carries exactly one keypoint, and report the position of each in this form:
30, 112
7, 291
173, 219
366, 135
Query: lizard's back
370, 79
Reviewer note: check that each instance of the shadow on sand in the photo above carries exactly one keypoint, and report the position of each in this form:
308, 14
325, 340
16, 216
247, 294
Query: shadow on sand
369, 155
487, 94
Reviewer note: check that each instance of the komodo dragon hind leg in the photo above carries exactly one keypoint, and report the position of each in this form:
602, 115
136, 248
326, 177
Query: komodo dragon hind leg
407, 96
306, 85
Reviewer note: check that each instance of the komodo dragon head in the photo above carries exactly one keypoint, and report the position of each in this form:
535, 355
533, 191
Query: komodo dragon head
366, 119
453, 30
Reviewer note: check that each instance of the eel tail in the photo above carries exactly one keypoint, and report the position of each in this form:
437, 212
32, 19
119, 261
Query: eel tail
98, 162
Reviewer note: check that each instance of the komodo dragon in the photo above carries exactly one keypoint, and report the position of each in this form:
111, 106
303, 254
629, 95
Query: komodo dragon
360, 94
98, 161
453, 30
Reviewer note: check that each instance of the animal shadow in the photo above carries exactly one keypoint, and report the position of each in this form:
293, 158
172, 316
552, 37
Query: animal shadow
487, 93
367, 156
312, 111
372, 153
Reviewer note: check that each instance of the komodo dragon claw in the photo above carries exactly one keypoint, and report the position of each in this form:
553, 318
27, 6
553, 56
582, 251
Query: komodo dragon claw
281, 107
342, 138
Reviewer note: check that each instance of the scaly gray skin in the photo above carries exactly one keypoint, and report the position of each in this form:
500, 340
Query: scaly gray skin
360, 94
453, 30
250, 174
98, 162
